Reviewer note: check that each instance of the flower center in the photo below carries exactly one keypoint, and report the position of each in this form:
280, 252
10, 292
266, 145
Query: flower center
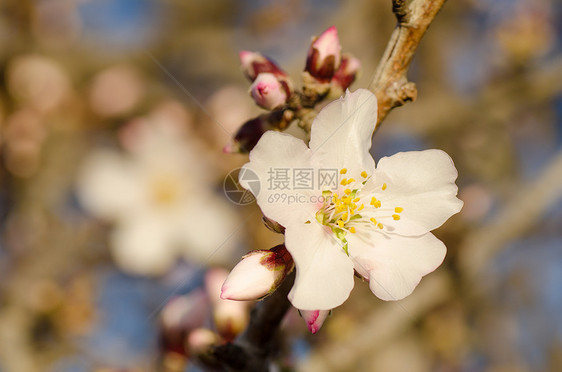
348, 211
165, 190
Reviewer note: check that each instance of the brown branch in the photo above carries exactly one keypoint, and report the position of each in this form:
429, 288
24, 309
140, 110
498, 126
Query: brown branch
252, 351
390, 83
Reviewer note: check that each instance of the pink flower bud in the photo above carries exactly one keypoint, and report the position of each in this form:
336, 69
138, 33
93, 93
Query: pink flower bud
346, 74
324, 55
269, 92
258, 274
314, 318
254, 63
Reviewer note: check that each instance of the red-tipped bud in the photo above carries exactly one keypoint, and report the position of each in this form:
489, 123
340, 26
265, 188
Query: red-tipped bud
324, 55
254, 63
314, 318
251, 131
268, 92
258, 274
346, 74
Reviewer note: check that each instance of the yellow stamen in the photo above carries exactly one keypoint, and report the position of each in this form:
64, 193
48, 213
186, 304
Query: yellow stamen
384, 186
340, 224
356, 200
343, 182
373, 220
398, 209
361, 207
344, 216
350, 180
379, 225
396, 217
364, 174
352, 230
373, 200
343, 171
347, 191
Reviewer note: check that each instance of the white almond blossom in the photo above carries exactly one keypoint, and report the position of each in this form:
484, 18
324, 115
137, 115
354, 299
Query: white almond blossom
159, 196
375, 221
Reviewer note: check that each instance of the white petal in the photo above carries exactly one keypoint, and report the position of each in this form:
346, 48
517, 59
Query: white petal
108, 185
341, 133
420, 182
394, 264
208, 230
141, 244
324, 272
273, 161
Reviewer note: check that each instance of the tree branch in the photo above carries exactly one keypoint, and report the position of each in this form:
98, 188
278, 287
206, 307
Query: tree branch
390, 83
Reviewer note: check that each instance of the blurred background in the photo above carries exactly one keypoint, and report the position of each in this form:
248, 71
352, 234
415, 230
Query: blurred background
114, 228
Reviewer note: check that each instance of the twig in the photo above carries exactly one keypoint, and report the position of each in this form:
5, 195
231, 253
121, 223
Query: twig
390, 83
253, 350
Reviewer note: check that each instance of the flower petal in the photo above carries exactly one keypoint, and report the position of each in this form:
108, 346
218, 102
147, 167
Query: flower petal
140, 245
208, 230
394, 264
422, 183
273, 161
324, 272
341, 133
108, 186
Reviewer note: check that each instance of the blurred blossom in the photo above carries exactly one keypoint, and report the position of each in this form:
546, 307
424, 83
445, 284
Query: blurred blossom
478, 202
181, 315
37, 81
186, 311
56, 23
228, 107
231, 317
116, 91
24, 134
527, 33
199, 341
160, 197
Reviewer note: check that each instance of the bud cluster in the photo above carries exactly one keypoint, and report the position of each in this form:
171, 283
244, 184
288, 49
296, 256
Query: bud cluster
327, 72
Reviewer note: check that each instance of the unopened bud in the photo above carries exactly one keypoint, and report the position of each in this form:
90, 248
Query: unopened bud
324, 55
345, 75
231, 318
268, 92
251, 131
258, 274
200, 340
314, 318
254, 63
